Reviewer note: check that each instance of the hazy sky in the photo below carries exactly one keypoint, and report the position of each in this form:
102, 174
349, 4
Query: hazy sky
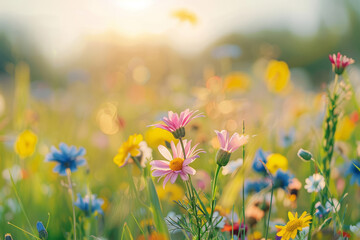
58, 25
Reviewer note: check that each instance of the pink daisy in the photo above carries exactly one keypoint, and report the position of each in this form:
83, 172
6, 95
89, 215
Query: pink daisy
175, 163
340, 62
231, 144
175, 123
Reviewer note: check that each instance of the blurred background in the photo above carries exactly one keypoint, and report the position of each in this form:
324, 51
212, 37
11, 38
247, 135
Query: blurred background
92, 72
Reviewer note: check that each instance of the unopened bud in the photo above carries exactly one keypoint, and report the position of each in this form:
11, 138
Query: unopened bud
179, 133
304, 155
222, 157
8, 236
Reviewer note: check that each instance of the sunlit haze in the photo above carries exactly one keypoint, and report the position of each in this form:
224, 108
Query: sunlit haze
58, 26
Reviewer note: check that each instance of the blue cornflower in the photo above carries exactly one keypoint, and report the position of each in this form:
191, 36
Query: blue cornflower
66, 157
321, 211
286, 138
282, 179
42, 231
354, 172
255, 186
83, 204
257, 165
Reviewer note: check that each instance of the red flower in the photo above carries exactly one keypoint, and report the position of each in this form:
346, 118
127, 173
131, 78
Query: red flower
340, 62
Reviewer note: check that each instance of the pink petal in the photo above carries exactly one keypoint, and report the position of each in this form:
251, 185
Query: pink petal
159, 164
174, 150
174, 177
189, 160
165, 152
160, 126
222, 137
184, 176
179, 150
189, 170
158, 173
187, 148
166, 179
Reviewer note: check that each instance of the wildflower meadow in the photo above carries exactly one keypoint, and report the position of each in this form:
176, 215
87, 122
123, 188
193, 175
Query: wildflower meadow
157, 120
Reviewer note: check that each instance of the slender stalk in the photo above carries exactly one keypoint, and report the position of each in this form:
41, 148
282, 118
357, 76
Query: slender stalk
269, 214
330, 199
232, 223
20, 202
335, 84
213, 192
71, 192
312, 214
190, 189
24, 231
243, 187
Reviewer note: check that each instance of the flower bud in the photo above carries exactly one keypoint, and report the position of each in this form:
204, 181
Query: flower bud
304, 155
8, 236
179, 133
43, 235
222, 157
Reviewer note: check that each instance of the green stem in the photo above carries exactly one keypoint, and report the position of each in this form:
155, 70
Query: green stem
213, 191
335, 84
269, 214
20, 202
191, 189
70, 187
330, 199
243, 187
312, 214
24, 231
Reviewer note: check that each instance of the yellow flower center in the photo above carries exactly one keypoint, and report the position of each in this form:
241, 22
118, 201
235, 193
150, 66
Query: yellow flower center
176, 164
293, 225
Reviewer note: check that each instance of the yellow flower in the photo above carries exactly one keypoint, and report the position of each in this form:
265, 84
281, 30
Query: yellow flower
276, 161
255, 236
128, 149
172, 192
345, 129
277, 76
291, 228
237, 81
184, 15
25, 144
156, 136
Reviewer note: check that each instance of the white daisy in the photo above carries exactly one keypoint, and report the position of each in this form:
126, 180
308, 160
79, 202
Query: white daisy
315, 183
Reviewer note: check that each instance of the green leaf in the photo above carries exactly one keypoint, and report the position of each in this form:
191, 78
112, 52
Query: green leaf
126, 227
155, 208
325, 223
